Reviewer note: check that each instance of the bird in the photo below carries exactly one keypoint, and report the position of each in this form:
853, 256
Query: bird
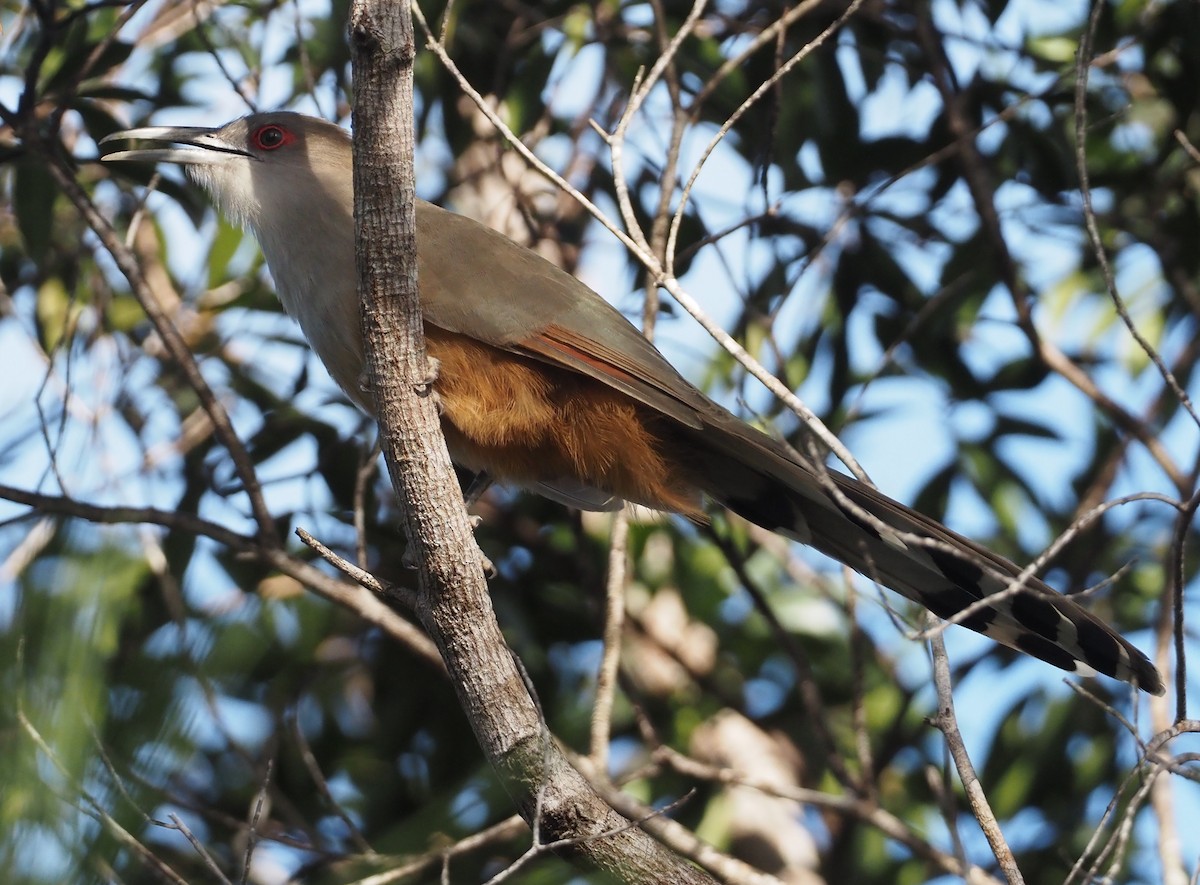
545, 385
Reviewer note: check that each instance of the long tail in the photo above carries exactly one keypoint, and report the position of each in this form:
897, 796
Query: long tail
761, 481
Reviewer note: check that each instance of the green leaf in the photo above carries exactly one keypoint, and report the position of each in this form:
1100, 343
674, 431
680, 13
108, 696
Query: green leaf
53, 313
34, 196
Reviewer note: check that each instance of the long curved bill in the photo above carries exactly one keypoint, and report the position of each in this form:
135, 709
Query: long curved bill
194, 145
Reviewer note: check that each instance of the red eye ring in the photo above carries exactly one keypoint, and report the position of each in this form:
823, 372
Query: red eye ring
271, 137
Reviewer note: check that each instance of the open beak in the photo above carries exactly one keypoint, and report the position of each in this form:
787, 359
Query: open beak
194, 145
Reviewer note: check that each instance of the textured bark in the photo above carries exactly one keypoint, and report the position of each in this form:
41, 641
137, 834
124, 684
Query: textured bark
453, 601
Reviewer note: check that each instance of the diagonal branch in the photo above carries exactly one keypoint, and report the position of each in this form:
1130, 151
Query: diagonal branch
172, 341
452, 596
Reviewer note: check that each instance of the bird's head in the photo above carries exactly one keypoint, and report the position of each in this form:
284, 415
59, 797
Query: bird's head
287, 178
260, 169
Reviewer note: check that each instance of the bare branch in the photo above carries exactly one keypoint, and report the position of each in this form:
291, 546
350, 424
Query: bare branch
946, 723
1082, 66
173, 342
358, 599
614, 631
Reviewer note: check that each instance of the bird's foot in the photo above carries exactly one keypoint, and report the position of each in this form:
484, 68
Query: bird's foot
409, 560
489, 567
423, 389
433, 367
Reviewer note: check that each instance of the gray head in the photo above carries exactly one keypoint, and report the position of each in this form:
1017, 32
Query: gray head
260, 168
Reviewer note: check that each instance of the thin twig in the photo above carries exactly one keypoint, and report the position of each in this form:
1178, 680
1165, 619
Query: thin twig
359, 600
614, 631
172, 340
353, 572
208, 860
368, 469
865, 810
322, 784
674, 835
94, 808
505, 831
1082, 66
983, 196
1020, 584
947, 724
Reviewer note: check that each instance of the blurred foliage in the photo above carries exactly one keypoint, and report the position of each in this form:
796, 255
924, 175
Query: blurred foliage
844, 222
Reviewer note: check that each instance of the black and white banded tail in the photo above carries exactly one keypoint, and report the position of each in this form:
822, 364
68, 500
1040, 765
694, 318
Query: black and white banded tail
913, 555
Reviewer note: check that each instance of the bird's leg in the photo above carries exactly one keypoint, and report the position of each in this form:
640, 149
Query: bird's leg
480, 484
485, 561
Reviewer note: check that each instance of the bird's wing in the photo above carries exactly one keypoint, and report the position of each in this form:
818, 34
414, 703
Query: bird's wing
557, 319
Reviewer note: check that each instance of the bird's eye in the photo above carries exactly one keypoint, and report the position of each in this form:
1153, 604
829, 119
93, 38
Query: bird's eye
270, 137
